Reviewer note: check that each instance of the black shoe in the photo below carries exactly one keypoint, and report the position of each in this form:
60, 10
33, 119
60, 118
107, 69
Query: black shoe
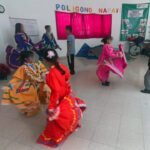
72, 72
108, 83
105, 83
145, 91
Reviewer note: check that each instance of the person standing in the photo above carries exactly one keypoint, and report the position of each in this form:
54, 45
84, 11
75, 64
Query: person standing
147, 80
70, 49
110, 60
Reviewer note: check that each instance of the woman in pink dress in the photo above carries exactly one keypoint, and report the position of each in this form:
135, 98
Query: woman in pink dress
110, 60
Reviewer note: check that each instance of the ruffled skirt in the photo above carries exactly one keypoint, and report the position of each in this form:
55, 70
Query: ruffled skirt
63, 122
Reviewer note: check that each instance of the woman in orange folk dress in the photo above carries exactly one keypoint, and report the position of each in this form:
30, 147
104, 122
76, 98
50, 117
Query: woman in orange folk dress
65, 109
27, 89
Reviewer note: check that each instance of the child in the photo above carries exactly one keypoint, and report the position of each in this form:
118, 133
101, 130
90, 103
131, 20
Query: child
147, 80
70, 49
65, 109
110, 60
49, 39
27, 88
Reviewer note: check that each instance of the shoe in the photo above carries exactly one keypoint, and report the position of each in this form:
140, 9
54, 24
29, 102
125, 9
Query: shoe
108, 83
72, 72
145, 91
105, 83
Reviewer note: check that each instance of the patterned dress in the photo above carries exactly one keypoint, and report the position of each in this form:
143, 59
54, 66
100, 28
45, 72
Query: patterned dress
23, 43
27, 89
64, 111
49, 41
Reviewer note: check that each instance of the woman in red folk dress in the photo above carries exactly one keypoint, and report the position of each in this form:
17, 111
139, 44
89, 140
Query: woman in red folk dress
65, 109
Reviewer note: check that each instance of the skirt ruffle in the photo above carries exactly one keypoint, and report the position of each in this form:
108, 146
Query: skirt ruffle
12, 57
63, 121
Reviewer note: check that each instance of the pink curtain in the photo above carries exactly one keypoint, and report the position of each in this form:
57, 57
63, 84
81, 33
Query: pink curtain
93, 25
83, 25
77, 25
62, 20
107, 23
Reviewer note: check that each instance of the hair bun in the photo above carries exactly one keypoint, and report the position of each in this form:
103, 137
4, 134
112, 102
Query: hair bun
108, 37
102, 40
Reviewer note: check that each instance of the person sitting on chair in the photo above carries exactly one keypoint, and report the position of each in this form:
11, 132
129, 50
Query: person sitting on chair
23, 41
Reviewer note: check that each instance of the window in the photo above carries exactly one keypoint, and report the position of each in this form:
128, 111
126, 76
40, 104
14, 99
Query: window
84, 26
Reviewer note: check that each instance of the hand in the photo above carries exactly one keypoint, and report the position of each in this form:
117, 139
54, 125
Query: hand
58, 47
32, 48
121, 55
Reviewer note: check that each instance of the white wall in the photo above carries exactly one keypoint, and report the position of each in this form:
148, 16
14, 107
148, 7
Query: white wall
44, 12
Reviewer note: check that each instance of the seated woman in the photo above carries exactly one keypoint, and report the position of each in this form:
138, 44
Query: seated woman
27, 89
23, 40
65, 109
49, 39
24, 43
110, 60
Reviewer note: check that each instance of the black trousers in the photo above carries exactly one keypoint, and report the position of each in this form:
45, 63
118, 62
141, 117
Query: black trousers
70, 59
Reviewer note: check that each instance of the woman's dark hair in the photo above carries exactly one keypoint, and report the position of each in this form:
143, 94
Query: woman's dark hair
108, 37
18, 27
53, 59
47, 26
69, 28
24, 55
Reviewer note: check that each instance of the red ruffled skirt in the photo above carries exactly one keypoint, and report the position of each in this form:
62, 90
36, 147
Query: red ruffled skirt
63, 122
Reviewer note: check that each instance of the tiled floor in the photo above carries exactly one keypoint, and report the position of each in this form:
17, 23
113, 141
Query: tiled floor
117, 117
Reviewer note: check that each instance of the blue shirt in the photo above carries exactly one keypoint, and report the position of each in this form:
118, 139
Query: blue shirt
71, 39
